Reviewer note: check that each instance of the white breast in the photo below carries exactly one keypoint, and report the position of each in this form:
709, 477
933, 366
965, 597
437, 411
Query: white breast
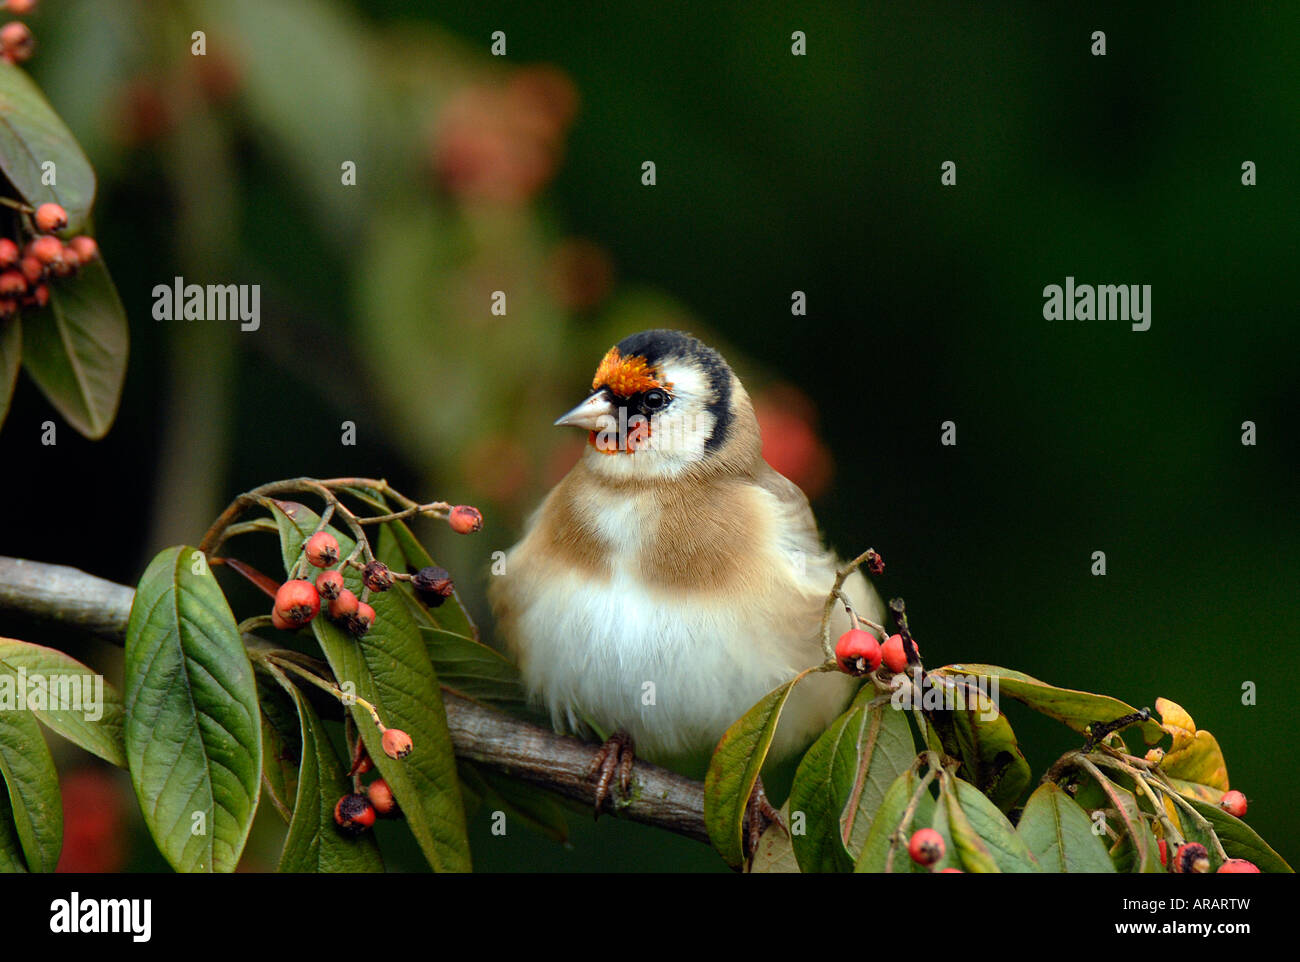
675, 668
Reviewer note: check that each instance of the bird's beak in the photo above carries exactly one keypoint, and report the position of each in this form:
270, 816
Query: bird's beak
590, 414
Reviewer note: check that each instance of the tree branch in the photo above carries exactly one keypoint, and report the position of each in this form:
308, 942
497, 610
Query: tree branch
68, 597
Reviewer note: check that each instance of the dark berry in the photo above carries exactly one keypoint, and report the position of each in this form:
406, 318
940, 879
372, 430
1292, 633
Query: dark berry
353, 813
433, 585
377, 577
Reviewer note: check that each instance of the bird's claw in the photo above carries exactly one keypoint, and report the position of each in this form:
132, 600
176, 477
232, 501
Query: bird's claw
759, 814
614, 758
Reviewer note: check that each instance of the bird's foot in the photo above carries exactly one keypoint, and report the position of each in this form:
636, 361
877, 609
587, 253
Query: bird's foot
759, 814
614, 759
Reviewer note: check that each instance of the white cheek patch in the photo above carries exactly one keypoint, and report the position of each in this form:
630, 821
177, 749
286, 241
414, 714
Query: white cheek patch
677, 436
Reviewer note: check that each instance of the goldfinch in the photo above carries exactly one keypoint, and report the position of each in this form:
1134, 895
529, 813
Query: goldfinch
672, 577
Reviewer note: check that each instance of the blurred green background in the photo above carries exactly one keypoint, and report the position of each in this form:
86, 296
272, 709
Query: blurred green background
776, 173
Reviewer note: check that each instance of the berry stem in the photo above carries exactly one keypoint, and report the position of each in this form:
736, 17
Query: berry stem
324, 685
840, 577
900, 618
909, 813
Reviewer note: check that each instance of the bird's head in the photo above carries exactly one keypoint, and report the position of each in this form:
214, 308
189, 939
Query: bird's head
663, 403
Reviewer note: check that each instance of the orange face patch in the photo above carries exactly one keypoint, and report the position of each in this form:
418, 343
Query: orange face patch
625, 376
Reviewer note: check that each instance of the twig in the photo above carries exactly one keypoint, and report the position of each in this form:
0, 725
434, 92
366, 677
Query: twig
56, 594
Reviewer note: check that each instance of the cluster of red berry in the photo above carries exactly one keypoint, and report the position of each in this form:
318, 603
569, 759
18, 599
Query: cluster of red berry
16, 42
859, 653
299, 600
926, 847
24, 271
356, 811
1192, 858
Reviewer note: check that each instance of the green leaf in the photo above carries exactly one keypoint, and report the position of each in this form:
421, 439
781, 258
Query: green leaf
28, 772
734, 769
473, 670
842, 780
1239, 840
969, 849
998, 835
75, 350
314, 842
31, 134
69, 682
281, 745
1059, 833
193, 729
1077, 709
534, 807
11, 355
1143, 854
11, 849
888, 829
390, 668
775, 852
990, 755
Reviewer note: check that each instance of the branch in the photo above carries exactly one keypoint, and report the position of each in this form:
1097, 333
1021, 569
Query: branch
56, 594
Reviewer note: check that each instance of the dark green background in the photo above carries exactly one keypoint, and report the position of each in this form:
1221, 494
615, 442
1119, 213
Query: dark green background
821, 174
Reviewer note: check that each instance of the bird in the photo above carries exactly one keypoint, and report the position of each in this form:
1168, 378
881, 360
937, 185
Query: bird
672, 577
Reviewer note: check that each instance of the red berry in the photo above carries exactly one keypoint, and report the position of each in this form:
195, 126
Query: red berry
377, 577
297, 602
8, 306
945, 871
344, 606
322, 549
1164, 852
857, 652
330, 584
8, 252
67, 263
354, 814
381, 797
51, 218
1190, 858
926, 847
397, 744
41, 296
11, 283
894, 654
361, 619
16, 42
20, 8
1238, 866
1233, 802
465, 519
363, 763
32, 269
47, 249
85, 247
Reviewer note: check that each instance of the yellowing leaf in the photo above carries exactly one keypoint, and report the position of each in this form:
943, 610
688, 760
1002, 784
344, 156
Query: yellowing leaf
1195, 756
1175, 720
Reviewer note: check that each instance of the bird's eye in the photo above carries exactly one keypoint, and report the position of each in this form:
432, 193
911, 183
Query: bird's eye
654, 400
